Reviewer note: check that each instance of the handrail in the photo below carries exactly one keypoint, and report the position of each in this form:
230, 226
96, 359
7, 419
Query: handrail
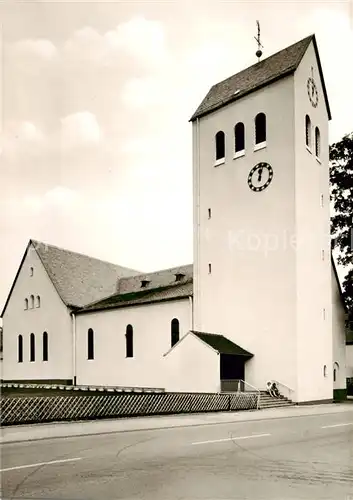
252, 386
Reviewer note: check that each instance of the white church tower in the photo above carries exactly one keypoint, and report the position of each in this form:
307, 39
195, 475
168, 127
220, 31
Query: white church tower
262, 255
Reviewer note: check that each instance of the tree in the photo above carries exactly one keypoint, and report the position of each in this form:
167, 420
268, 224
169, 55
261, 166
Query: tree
341, 177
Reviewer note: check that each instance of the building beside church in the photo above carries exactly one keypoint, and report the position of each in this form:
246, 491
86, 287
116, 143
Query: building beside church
262, 299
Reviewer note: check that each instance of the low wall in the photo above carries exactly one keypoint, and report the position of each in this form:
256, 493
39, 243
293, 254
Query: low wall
71, 407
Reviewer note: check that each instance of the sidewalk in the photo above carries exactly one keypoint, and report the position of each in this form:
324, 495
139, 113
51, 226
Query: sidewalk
22, 433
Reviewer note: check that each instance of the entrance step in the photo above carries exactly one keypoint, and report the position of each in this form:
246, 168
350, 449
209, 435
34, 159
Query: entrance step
267, 401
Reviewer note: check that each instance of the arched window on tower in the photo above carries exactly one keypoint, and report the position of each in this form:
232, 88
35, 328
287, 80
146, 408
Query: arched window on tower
336, 368
220, 145
260, 128
317, 142
20, 349
32, 301
129, 336
174, 331
90, 344
45, 346
308, 131
32, 347
26, 304
38, 301
239, 137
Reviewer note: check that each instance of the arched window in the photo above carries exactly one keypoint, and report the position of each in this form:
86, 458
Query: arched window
317, 142
220, 145
325, 370
260, 128
174, 331
38, 301
45, 346
20, 349
32, 301
90, 344
26, 304
308, 131
336, 367
239, 137
32, 347
129, 341
31, 271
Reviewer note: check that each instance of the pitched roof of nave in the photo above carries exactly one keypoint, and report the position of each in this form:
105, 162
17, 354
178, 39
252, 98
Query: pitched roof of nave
261, 74
79, 279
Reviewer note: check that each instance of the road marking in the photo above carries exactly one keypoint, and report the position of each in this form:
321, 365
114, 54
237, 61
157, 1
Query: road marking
41, 463
232, 439
336, 425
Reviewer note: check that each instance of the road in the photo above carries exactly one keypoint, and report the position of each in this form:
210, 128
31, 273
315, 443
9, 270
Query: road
298, 457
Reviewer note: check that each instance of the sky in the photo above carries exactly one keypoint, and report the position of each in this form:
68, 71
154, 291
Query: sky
96, 97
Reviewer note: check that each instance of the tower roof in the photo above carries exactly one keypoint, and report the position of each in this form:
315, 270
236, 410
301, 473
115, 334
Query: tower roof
267, 71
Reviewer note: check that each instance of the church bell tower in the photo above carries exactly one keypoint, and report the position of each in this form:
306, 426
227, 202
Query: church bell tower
262, 256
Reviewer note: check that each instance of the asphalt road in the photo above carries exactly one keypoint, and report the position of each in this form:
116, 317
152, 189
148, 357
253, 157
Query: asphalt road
304, 457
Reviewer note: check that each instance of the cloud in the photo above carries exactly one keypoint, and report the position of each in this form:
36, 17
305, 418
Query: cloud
143, 39
140, 39
60, 196
21, 137
27, 131
41, 48
85, 44
80, 129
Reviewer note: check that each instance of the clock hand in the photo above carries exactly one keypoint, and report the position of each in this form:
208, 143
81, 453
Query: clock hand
260, 175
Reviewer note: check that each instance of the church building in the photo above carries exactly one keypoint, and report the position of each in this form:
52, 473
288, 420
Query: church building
261, 301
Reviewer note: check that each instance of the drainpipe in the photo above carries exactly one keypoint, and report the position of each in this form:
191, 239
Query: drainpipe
73, 317
191, 312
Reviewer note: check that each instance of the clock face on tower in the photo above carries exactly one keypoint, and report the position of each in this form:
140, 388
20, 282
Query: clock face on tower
312, 92
260, 177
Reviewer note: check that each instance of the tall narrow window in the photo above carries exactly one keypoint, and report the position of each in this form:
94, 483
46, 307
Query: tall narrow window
31, 271
209, 213
220, 145
335, 370
38, 301
308, 131
174, 331
317, 142
209, 268
26, 304
239, 137
260, 128
45, 346
20, 349
32, 347
129, 341
90, 344
32, 301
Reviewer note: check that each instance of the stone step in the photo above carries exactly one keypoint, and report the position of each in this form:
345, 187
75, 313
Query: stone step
276, 403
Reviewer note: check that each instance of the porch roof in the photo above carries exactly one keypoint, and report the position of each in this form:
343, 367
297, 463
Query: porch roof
222, 344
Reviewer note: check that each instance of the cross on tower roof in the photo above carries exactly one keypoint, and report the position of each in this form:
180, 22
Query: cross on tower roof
259, 45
